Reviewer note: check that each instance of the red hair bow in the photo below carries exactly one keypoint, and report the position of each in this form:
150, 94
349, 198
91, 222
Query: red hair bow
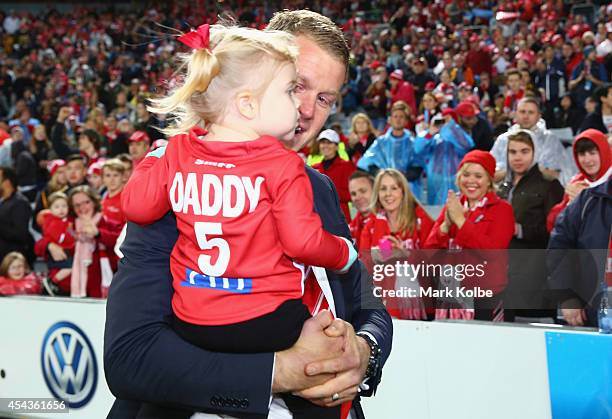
197, 38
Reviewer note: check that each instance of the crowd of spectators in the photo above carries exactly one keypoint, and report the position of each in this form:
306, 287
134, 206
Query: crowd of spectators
428, 84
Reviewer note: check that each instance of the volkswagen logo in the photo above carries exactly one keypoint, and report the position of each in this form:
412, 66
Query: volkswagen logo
69, 364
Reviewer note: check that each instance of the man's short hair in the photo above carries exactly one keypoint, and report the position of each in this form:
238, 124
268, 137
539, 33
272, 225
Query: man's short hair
315, 26
602, 91
400, 105
529, 99
360, 174
8, 173
75, 157
115, 165
521, 137
512, 72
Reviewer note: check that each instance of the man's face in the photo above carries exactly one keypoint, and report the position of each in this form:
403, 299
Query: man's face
514, 82
527, 115
361, 192
469, 122
590, 161
320, 77
75, 172
520, 157
398, 120
138, 149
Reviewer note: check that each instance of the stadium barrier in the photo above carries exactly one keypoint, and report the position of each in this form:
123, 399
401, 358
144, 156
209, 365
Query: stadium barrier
52, 348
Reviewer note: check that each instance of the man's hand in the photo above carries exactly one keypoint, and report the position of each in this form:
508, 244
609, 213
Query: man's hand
63, 113
574, 316
349, 368
314, 343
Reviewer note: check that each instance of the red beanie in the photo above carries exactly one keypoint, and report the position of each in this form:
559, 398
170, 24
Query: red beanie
483, 158
54, 165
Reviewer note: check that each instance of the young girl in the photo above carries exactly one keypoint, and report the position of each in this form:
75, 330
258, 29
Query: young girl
15, 276
57, 228
243, 202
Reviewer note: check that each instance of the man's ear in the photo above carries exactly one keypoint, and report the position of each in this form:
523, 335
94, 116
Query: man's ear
247, 105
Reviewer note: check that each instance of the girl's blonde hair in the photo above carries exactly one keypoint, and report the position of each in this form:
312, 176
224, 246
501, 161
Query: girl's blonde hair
407, 216
236, 57
366, 118
465, 167
10, 258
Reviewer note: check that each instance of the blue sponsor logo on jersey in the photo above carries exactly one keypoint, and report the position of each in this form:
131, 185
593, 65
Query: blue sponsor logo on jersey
198, 280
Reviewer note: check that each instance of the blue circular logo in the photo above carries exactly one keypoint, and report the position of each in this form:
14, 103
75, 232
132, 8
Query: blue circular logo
69, 364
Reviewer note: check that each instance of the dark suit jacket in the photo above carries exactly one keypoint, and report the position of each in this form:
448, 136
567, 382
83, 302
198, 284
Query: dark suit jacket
145, 361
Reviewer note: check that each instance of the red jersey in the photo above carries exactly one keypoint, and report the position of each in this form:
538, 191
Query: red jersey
511, 100
59, 231
111, 209
339, 172
243, 210
378, 228
357, 224
488, 225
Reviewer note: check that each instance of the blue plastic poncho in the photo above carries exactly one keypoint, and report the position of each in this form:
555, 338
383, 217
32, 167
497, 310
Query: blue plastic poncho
442, 154
391, 152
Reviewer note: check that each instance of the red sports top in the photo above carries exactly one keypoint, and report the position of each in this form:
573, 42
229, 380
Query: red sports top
111, 209
243, 210
59, 231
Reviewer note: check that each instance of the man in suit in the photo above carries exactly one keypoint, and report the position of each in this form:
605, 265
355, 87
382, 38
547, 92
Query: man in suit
145, 361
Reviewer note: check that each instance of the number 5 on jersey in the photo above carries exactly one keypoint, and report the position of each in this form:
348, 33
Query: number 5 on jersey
219, 268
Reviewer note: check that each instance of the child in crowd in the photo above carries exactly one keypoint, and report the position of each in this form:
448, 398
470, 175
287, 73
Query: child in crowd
243, 202
94, 177
113, 172
57, 228
15, 276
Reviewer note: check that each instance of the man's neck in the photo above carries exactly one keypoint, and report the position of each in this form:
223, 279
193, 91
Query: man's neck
397, 133
114, 192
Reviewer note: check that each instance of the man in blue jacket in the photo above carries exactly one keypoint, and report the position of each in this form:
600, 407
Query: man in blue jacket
579, 253
148, 366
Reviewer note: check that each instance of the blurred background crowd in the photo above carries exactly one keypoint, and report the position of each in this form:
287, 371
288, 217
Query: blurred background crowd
428, 83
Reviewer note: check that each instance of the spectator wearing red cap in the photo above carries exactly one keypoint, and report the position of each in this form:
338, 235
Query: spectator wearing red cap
94, 177
593, 157
532, 196
402, 90
475, 219
139, 146
477, 127
335, 168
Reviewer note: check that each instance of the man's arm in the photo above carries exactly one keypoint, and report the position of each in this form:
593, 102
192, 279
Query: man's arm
145, 360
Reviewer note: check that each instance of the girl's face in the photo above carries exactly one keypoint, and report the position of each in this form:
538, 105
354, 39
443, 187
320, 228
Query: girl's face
278, 108
474, 182
390, 195
39, 133
59, 208
16, 269
429, 102
60, 176
83, 205
95, 181
361, 126
85, 143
